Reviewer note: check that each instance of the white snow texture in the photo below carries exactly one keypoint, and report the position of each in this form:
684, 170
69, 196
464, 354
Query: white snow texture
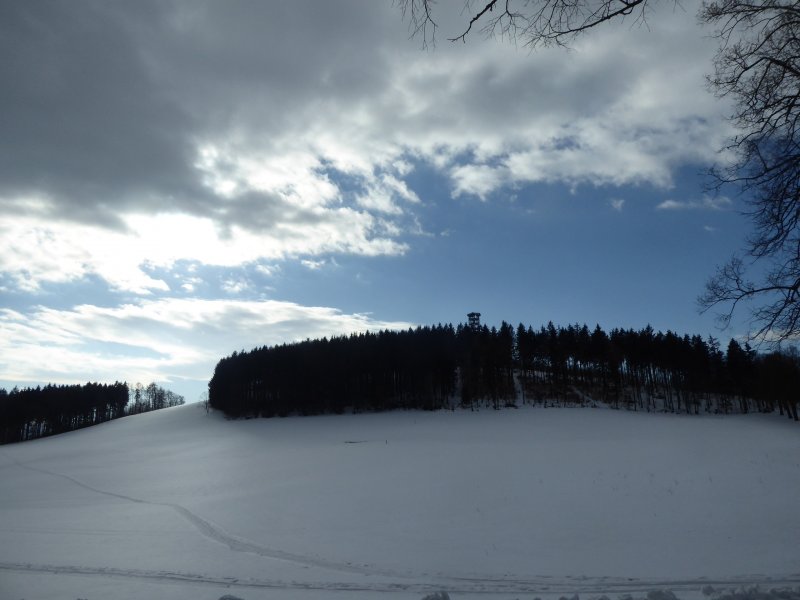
529, 503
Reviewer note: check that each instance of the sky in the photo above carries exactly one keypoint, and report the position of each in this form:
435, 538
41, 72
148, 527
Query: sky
183, 179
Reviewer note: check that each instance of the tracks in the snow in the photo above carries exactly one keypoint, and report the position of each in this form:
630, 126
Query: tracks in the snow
217, 534
541, 585
371, 579
193, 578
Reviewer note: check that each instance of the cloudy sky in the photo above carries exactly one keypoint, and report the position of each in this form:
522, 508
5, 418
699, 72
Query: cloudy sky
179, 180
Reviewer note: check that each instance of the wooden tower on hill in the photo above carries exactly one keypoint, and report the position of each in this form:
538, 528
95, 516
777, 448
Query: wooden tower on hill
474, 320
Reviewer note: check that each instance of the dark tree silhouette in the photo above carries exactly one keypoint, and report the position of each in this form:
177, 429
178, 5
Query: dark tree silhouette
31, 413
758, 67
36, 412
532, 23
363, 372
439, 367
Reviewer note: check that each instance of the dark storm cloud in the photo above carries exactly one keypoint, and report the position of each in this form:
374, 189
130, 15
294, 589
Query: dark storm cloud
261, 212
103, 103
243, 113
222, 51
83, 121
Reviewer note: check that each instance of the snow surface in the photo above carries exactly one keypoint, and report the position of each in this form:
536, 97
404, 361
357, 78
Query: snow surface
179, 504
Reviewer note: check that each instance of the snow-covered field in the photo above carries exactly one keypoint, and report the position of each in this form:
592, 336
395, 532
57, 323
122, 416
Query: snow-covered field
180, 504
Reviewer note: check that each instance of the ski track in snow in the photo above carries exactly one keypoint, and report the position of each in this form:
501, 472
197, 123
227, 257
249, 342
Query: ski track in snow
383, 581
540, 585
217, 534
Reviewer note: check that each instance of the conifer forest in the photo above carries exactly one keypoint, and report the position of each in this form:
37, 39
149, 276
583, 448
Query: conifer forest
442, 366
30, 413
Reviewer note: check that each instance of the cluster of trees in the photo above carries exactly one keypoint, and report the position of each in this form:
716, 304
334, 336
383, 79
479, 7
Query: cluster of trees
648, 370
30, 413
442, 366
151, 397
363, 372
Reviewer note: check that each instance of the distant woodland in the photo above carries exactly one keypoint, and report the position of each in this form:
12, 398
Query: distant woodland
478, 367
30, 413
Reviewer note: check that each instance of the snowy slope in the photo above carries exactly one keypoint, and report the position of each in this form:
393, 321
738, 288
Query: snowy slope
181, 504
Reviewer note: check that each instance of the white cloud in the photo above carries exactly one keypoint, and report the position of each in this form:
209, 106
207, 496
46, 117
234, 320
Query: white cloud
190, 284
403, 167
478, 180
156, 340
674, 205
33, 251
237, 153
235, 286
707, 203
313, 265
617, 204
268, 270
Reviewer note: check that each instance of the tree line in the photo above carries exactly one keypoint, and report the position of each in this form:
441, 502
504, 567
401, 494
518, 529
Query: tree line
30, 413
362, 372
151, 397
443, 366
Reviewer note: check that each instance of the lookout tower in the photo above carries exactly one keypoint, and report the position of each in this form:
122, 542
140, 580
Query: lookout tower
474, 320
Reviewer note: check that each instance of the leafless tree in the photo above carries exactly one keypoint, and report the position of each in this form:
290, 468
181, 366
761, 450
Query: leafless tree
532, 23
758, 67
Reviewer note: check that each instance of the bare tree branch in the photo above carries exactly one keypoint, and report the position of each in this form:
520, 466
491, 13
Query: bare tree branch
531, 23
419, 14
475, 19
758, 67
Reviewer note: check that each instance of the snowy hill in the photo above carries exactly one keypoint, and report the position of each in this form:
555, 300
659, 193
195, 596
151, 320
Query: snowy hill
181, 504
